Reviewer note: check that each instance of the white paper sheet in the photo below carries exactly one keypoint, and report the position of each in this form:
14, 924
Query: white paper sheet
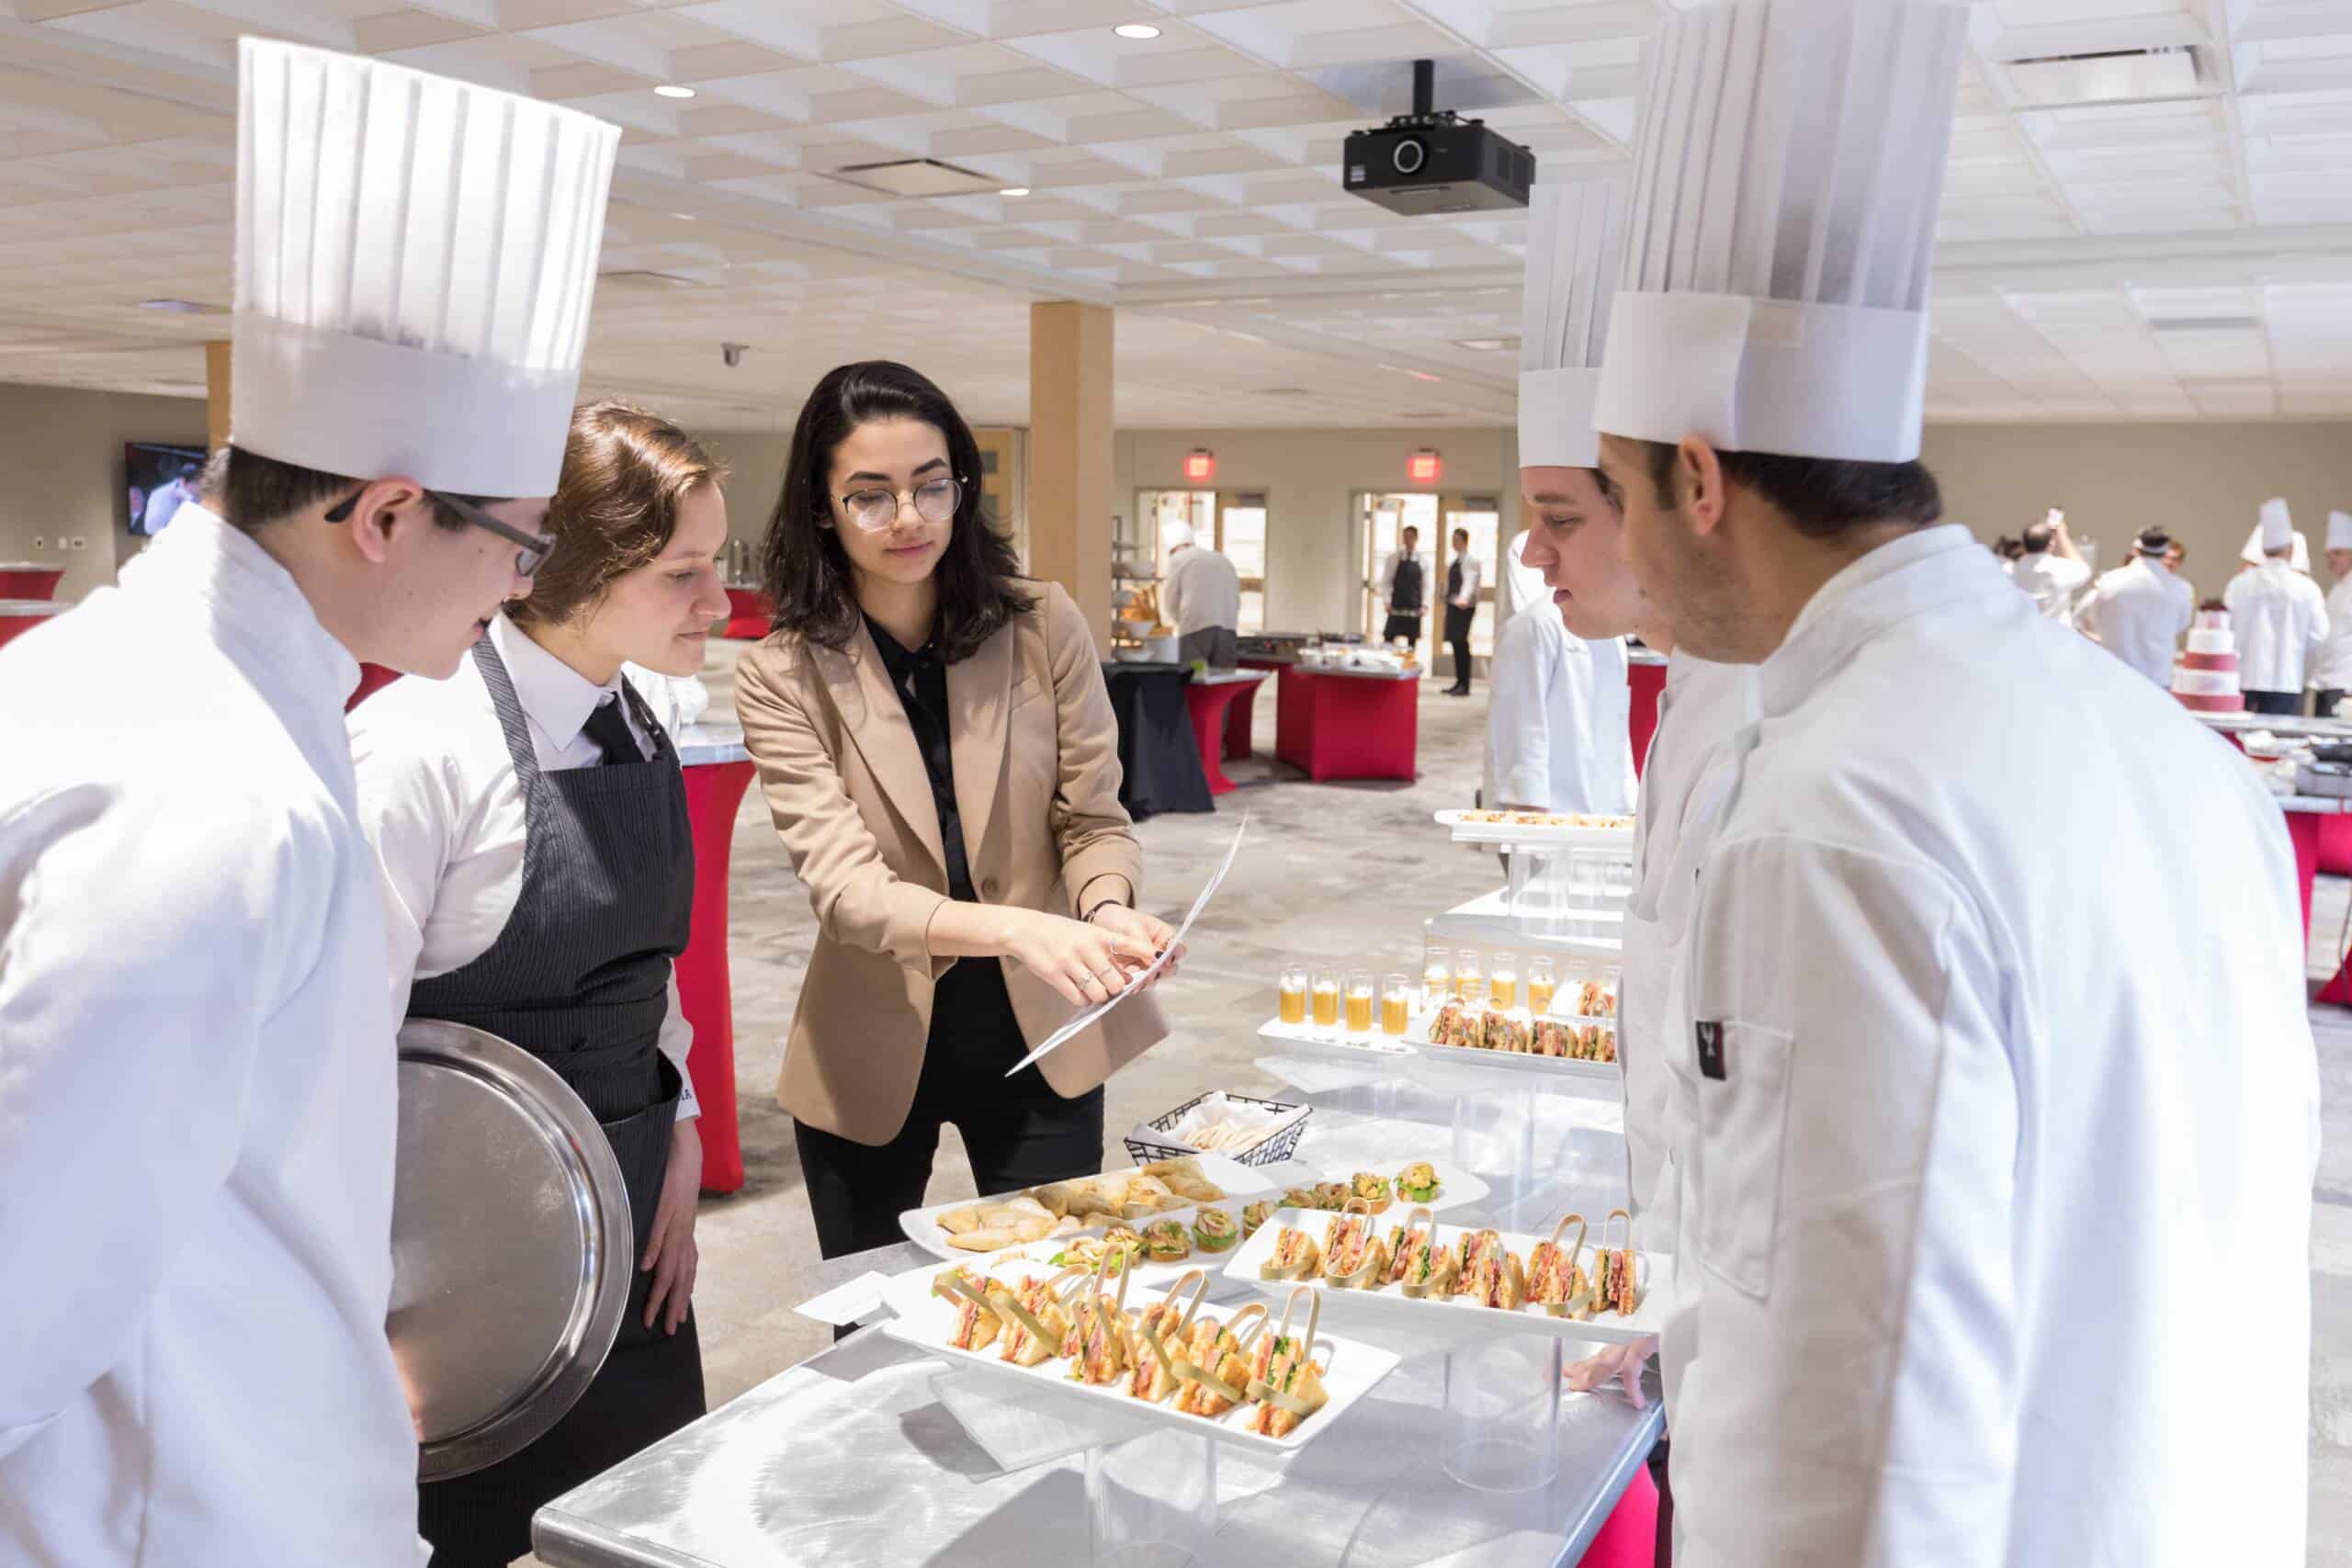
1086, 1016
845, 1304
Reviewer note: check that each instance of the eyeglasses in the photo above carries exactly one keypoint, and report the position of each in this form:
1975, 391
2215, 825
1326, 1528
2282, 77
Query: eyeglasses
874, 510
535, 548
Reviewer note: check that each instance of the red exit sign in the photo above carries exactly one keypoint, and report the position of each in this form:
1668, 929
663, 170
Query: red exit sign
1423, 468
1200, 464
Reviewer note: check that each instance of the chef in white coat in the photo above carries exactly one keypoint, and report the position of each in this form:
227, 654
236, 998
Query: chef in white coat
1945, 1106
2050, 572
197, 1061
2279, 617
1201, 599
2332, 666
1558, 738
2138, 611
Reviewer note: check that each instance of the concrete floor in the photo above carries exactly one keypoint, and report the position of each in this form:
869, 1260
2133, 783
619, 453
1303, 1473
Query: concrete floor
1343, 872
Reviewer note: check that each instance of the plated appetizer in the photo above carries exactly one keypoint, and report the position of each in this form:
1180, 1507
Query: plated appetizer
1215, 1366
1296, 1258
1556, 1276
1284, 1378
1061, 1207
1489, 1273
1417, 1183
1166, 1241
1154, 1375
1374, 1190
1213, 1230
1254, 1215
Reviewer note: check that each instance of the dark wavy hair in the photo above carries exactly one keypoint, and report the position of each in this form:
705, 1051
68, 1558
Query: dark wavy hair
803, 565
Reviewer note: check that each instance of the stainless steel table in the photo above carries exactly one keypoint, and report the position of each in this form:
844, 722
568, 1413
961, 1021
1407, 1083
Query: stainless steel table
849, 1459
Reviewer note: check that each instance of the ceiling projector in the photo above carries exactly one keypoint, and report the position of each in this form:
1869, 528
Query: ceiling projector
1434, 161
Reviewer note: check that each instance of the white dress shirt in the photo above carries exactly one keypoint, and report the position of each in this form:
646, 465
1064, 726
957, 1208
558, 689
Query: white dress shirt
1474, 573
2281, 619
1557, 734
2053, 582
1969, 1116
440, 797
2137, 614
198, 1101
1203, 592
2332, 666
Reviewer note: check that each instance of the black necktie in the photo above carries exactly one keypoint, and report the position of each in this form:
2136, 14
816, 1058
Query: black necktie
609, 730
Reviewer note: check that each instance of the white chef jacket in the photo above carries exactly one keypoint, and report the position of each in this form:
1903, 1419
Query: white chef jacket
197, 1092
1203, 592
2138, 613
2053, 582
1432, 586
441, 801
1685, 784
2281, 619
1976, 1126
2332, 666
1557, 734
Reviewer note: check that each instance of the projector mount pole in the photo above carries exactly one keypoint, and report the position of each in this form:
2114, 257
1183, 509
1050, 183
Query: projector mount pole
1424, 88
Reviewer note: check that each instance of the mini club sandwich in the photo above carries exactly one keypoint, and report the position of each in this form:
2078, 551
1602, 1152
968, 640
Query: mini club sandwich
1214, 1366
1102, 1335
1419, 1264
1296, 1256
1489, 1273
977, 1321
1284, 1378
1616, 1285
1355, 1257
1159, 1334
1556, 1277
1036, 1320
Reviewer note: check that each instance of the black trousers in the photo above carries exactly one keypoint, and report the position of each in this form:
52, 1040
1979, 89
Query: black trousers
1397, 626
1018, 1132
2288, 702
1457, 636
2323, 701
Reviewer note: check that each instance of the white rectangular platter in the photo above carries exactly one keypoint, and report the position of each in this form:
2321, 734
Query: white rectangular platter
1466, 831
926, 1321
921, 1225
1389, 1307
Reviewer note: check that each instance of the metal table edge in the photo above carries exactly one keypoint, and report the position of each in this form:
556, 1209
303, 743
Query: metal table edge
1635, 1453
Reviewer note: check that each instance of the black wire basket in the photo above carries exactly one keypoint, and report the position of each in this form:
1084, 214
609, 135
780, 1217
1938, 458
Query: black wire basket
1273, 1151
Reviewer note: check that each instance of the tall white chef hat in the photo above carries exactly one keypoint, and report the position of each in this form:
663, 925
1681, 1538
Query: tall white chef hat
1175, 536
1576, 242
2339, 530
416, 259
1790, 163
2275, 529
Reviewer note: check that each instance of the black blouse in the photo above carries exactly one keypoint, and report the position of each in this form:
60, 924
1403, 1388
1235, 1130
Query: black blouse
920, 680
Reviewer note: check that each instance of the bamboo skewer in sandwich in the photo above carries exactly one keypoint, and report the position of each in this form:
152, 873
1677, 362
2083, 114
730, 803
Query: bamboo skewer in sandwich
1102, 1336
1489, 1273
1215, 1367
1284, 1378
1355, 1257
1556, 1276
1616, 1284
1036, 1320
1419, 1266
1155, 1374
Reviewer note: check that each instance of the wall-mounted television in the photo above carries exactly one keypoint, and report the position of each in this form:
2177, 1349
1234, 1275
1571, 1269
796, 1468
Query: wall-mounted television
156, 480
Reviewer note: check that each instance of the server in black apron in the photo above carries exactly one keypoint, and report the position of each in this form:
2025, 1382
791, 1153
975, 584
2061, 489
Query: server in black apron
531, 819
1462, 575
1404, 584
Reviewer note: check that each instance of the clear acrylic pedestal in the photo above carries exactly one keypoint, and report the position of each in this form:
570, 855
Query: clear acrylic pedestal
1502, 1413
1494, 1135
1151, 1501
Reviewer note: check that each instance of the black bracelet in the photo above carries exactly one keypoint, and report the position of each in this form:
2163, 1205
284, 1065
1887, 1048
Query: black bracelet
1098, 909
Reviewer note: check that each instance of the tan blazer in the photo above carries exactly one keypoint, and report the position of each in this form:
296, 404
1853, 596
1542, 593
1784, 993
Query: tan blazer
1035, 748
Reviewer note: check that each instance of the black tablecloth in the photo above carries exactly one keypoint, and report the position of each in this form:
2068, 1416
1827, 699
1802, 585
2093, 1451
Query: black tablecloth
1158, 760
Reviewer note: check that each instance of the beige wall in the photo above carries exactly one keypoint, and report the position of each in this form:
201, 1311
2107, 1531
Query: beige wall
2202, 482
61, 473
1314, 571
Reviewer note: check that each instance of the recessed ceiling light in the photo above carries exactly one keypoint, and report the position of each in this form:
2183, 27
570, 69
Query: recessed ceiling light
671, 90
1014, 190
1136, 30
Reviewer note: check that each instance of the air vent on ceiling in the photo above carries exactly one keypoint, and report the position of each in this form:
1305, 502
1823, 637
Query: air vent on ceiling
2206, 324
640, 277
2114, 76
1282, 393
916, 177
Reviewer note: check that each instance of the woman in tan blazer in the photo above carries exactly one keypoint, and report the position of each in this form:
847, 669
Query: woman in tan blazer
941, 762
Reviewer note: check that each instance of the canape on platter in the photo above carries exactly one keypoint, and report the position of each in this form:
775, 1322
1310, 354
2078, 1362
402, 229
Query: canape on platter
1556, 1277
1159, 1334
1417, 1265
1487, 1272
1284, 1378
1215, 1366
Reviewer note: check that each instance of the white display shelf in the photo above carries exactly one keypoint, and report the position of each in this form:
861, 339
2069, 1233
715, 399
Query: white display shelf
1487, 919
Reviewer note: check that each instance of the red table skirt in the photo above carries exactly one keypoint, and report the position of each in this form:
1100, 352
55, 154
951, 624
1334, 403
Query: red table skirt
749, 613
30, 582
1347, 727
14, 626
1646, 681
714, 790
1629, 1538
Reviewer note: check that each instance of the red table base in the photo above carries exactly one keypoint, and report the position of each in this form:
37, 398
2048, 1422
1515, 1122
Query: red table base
1347, 727
1243, 714
749, 613
1646, 681
1629, 1538
30, 582
14, 626
1212, 709
714, 790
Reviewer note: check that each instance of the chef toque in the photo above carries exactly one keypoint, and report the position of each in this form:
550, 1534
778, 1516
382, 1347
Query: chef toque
1576, 241
1175, 536
1789, 163
415, 260
2252, 554
2339, 531
2277, 529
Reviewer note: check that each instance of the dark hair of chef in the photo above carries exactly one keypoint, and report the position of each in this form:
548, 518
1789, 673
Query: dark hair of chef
1820, 496
625, 470
806, 570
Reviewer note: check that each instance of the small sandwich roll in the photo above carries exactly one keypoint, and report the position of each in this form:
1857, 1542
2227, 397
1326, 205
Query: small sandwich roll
1556, 1276
1215, 1367
1355, 1257
1296, 1256
1155, 1374
1419, 1266
1616, 1269
1284, 1380
1101, 1345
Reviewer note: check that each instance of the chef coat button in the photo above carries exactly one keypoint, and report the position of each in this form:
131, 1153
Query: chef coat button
988, 887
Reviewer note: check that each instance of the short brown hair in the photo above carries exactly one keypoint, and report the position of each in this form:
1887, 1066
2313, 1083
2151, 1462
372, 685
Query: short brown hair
615, 507
1823, 496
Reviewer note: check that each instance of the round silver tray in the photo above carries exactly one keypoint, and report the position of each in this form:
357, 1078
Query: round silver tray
512, 1249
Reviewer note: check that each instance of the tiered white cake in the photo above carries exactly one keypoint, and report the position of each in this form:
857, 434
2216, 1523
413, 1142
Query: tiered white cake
2208, 677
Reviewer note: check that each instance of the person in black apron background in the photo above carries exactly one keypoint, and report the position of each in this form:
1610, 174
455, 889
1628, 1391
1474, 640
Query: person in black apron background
1404, 585
531, 821
1462, 582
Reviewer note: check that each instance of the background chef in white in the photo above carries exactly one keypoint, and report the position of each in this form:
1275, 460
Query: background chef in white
2280, 616
2051, 571
2332, 666
194, 1370
572, 963
2138, 611
1947, 1097
1557, 733
1202, 600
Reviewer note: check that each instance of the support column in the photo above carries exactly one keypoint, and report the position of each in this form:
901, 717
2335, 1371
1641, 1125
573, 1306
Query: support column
216, 394
1070, 453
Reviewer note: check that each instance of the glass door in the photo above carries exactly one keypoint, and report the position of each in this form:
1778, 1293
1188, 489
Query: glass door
1381, 517
1482, 517
1242, 538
